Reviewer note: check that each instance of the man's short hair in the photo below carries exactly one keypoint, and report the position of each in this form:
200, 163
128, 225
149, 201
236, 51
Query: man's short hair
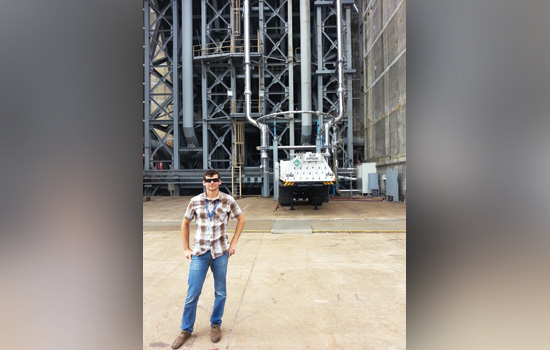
210, 173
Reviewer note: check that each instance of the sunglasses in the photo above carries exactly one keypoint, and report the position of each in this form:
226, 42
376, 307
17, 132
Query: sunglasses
211, 180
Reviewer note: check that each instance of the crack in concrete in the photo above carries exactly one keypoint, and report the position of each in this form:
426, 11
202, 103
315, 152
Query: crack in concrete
252, 314
244, 291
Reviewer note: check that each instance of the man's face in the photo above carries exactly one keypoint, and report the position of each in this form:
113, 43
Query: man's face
211, 182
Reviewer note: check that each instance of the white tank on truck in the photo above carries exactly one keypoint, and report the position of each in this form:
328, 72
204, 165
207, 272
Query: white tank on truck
305, 176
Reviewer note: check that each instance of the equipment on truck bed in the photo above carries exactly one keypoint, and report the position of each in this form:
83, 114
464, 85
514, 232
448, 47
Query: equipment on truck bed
306, 176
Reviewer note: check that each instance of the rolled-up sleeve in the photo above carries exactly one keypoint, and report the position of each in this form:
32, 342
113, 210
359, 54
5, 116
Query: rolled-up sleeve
190, 212
235, 209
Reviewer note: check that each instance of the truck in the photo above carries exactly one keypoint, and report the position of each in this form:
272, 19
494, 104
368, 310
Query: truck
305, 176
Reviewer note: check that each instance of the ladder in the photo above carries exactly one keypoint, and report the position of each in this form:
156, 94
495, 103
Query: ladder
347, 180
238, 159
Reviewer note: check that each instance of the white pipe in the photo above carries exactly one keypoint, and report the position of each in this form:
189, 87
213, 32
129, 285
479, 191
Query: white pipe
305, 69
247, 92
340, 63
290, 76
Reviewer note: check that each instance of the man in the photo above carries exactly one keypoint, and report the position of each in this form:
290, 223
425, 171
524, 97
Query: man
211, 211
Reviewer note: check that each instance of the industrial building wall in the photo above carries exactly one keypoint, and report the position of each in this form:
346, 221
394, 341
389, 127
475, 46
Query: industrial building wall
384, 86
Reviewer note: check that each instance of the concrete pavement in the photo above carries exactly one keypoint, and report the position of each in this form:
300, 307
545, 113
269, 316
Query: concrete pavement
325, 290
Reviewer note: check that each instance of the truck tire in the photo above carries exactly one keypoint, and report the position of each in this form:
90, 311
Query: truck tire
285, 195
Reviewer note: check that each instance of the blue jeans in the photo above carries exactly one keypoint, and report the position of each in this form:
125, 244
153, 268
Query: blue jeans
197, 274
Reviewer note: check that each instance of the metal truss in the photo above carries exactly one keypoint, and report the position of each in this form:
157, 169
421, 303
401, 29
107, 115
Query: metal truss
327, 81
219, 54
276, 83
161, 86
218, 84
218, 79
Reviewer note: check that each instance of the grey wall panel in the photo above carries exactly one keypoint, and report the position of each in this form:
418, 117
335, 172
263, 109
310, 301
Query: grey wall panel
402, 130
384, 84
380, 139
393, 133
393, 88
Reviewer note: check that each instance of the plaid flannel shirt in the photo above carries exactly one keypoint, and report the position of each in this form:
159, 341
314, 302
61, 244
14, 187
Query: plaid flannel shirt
217, 242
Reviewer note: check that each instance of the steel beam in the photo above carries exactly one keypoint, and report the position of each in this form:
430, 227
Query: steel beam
175, 85
146, 88
161, 84
222, 80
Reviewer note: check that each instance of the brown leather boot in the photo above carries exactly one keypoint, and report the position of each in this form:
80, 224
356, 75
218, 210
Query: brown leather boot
184, 335
215, 334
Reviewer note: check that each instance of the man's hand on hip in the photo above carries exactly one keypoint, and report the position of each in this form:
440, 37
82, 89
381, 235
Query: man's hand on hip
188, 253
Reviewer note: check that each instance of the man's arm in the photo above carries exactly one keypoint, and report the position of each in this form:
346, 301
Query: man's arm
238, 230
185, 237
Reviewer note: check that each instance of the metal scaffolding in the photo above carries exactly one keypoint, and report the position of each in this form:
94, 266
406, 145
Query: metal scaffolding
195, 83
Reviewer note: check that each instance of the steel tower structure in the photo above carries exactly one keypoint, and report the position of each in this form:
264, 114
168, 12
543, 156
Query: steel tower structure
194, 77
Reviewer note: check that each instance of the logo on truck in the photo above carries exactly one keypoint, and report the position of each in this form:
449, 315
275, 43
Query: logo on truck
297, 162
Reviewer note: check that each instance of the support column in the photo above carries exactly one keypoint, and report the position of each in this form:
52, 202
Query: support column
204, 78
320, 65
305, 69
175, 91
147, 87
349, 104
290, 76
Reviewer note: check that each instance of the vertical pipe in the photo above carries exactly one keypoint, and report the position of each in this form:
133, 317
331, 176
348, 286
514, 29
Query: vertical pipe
147, 85
234, 150
175, 81
349, 104
362, 66
187, 73
262, 62
327, 133
305, 69
340, 62
233, 101
264, 128
233, 21
233, 26
205, 149
290, 76
265, 161
320, 63
275, 172
247, 94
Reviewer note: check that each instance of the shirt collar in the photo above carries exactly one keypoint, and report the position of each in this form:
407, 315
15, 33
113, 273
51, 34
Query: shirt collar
212, 199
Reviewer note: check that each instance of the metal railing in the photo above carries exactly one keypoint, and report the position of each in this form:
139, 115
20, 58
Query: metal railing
224, 48
239, 105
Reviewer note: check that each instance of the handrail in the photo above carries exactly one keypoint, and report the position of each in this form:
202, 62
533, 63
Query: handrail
253, 103
220, 48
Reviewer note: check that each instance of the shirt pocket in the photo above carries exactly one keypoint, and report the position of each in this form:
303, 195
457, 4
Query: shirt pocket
221, 214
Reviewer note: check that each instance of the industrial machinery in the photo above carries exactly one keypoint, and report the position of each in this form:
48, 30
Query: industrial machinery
218, 73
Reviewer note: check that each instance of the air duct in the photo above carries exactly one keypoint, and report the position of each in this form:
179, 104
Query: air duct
187, 73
